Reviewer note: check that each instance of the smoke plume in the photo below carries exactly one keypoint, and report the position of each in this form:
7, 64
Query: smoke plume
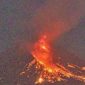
56, 17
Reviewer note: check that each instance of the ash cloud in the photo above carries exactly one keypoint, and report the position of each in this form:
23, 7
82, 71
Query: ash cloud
56, 17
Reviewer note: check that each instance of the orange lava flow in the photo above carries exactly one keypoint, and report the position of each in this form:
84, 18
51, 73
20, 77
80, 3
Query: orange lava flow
51, 71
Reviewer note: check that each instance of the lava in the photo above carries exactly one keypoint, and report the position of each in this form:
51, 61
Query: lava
48, 70
42, 52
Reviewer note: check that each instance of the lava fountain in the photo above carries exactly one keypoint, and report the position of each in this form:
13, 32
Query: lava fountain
49, 70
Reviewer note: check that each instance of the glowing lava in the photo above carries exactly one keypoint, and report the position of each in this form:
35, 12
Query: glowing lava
42, 52
48, 70
51, 71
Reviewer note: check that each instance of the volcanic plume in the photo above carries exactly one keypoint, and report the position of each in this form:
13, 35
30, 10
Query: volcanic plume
56, 17
46, 67
50, 22
49, 70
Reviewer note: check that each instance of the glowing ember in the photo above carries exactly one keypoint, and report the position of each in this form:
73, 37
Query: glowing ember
50, 71
40, 80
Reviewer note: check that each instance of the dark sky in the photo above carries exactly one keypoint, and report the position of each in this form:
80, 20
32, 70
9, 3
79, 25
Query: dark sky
21, 21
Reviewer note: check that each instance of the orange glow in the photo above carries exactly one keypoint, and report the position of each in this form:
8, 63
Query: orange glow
83, 68
52, 72
42, 52
40, 80
46, 68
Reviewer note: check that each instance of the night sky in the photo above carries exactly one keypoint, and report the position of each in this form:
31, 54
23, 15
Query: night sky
22, 21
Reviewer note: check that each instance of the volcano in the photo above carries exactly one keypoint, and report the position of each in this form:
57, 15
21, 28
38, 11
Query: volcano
13, 60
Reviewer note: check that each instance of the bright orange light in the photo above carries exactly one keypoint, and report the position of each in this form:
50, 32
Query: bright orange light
39, 81
83, 68
42, 52
51, 71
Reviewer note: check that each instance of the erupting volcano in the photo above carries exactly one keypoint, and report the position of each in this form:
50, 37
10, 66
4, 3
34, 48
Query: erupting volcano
46, 68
